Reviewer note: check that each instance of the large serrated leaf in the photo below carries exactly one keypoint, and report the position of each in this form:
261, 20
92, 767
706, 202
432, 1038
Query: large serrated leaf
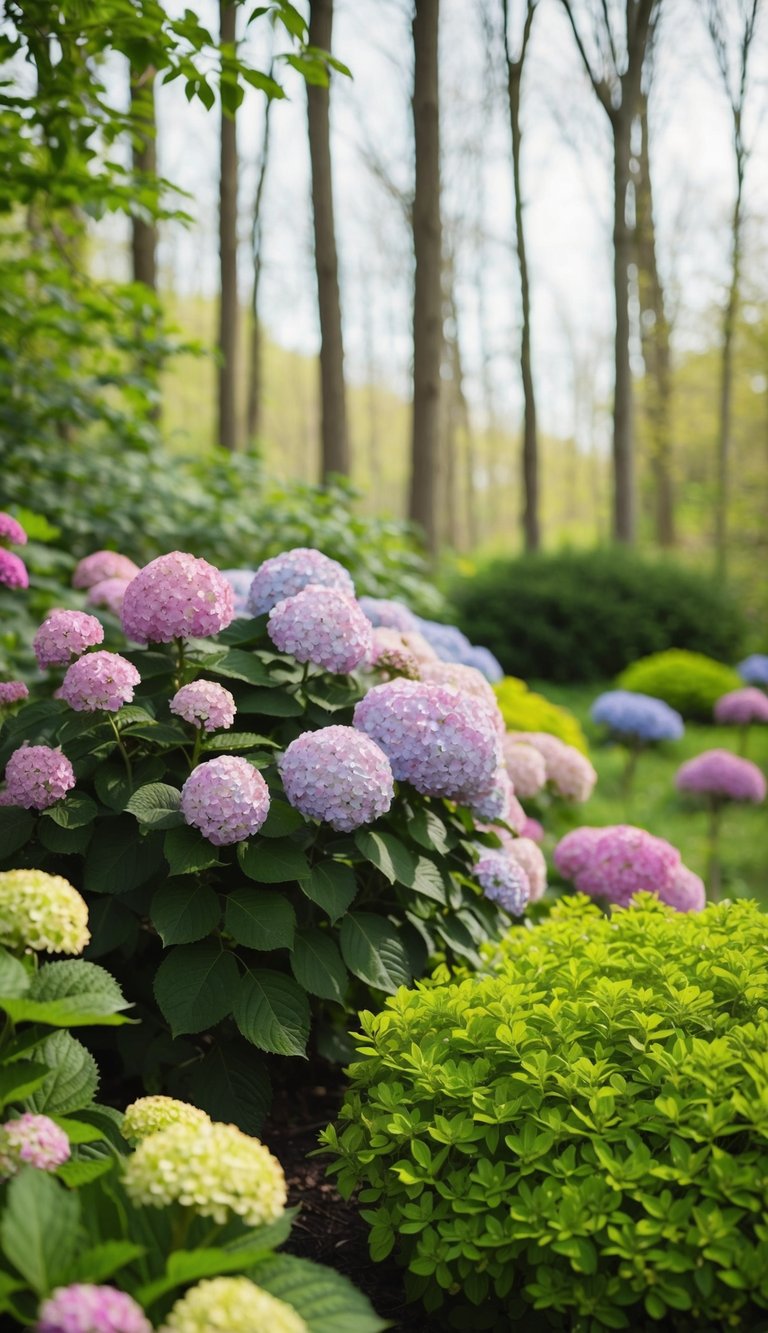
196, 986
73, 1080
74, 976
272, 1012
388, 854
183, 912
326, 1301
76, 811
234, 741
332, 885
188, 852
260, 918
281, 820
317, 965
274, 862
103, 1260
117, 860
429, 880
39, 1228
20, 1079
157, 805
428, 830
374, 952
232, 1085
16, 828
269, 703
14, 978
237, 664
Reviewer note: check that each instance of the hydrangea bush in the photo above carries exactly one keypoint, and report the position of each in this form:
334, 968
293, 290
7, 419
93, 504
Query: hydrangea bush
689, 682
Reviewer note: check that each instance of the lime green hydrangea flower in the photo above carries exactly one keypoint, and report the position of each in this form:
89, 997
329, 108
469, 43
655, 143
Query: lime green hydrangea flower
41, 912
232, 1305
147, 1115
212, 1168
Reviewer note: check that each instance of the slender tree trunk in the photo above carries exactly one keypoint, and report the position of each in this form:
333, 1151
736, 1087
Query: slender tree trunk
335, 454
144, 154
255, 389
726, 383
623, 441
228, 306
427, 296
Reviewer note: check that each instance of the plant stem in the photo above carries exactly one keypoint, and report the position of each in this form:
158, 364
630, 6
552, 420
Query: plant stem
714, 875
122, 749
628, 776
179, 679
197, 747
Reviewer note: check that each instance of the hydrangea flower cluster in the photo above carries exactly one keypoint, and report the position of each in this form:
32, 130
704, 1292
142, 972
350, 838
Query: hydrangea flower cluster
148, 1115
41, 912
339, 775
618, 861
84, 1308
638, 717
176, 596
37, 777
568, 770
497, 801
240, 581
109, 594
11, 530
450, 644
99, 681
323, 626
214, 1169
483, 660
686, 892
754, 669
389, 652
503, 880
531, 859
533, 829
385, 613
225, 798
723, 777
12, 692
525, 766
285, 575
32, 1140
465, 678
204, 703
234, 1305
573, 852
739, 708
435, 737
102, 565
64, 635
13, 571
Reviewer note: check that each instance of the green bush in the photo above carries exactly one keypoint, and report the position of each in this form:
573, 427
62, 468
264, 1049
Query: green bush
583, 615
523, 710
689, 682
583, 1133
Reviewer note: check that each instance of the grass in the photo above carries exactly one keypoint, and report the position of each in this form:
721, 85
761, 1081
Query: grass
655, 805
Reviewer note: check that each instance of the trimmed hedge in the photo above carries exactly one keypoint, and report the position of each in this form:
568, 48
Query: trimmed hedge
689, 682
524, 710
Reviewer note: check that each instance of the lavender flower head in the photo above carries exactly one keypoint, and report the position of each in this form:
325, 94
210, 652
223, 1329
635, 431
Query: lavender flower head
12, 692
103, 565
436, 738
99, 681
467, 679
637, 716
13, 571
531, 859
525, 766
496, 802
240, 581
739, 708
323, 626
32, 1140
573, 852
482, 659
11, 530
338, 775
64, 635
390, 653
285, 575
204, 703
384, 613
176, 596
754, 669
686, 892
503, 880
37, 777
226, 799
722, 776
84, 1308
450, 644
568, 771
623, 861
109, 593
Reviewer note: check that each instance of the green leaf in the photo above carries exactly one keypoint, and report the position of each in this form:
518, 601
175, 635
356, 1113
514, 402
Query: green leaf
20, 1080
74, 1011
77, 1131
186, 1266
75, 811
232, 741
196, 986
326, 1301
73, 1080
79, 1173
332, 886
158, 733
272, 1012
269, 703
317, 965
64, 841
232, 1085
117, 860
429, 880
104, 1260
14, 978
74, 977
237, 664
260, 919
16, 828
157, 805
281, 820
38, 1231
112, 925
429, 831
188, 852
276, 862
388, 854
183, 912
373, 950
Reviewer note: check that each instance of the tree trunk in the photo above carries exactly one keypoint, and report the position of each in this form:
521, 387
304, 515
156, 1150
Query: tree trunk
335, 455
144, 155
726, 383
623, 441
255, 389
427, 297
228, 306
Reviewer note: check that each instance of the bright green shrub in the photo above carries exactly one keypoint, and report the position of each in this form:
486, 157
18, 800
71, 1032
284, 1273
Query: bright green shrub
585, 1132
583, 615
524, 710
688, 682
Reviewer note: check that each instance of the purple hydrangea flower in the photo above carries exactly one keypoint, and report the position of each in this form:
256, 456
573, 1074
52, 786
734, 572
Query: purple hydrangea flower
176, 596
623, 861
83, 1308
533, 829
482, 659
285, 575
64, 635
574, 851
205, 704
722, 776
225, 798
240, 581
37, 777
495, 803
386, 614
11, 530
338, 775
448, 642
13, 571
103, 565
441, 741
686, 892
504, 881
390, 653
12, 692
109, 593
465, 678
754, 669
637, 716
739, 708
32, 1140
99, 681
323, 626
568, 770
531, 859
525, 766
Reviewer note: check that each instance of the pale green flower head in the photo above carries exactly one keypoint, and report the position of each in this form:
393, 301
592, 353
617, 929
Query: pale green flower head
41, 912
147, 1115
235, 1304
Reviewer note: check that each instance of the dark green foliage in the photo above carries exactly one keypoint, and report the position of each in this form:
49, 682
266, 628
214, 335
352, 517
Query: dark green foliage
584, 615
582, 1133
689, 682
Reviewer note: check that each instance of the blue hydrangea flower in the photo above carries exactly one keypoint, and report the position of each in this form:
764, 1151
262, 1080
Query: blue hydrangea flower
484, 660
754, 669
637, 716
450, 644
240, 581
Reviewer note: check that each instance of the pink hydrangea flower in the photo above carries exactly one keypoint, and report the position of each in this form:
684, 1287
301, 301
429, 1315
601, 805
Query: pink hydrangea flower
226, 799
176, 596
289, 573
32, 1140
435, 737
99, 681
338, 775
686, 892
741, 707
83, 1308
722, 776
204, 703
37, 777
624, 861
573, 852
532, 829
323, 626
467, 679
568, 770
103, 565
11, 530
387, 614
64, 635
389, 652
531, 859
12, 692
497, 801
109, 593
525, 766
13, 571
503, 880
